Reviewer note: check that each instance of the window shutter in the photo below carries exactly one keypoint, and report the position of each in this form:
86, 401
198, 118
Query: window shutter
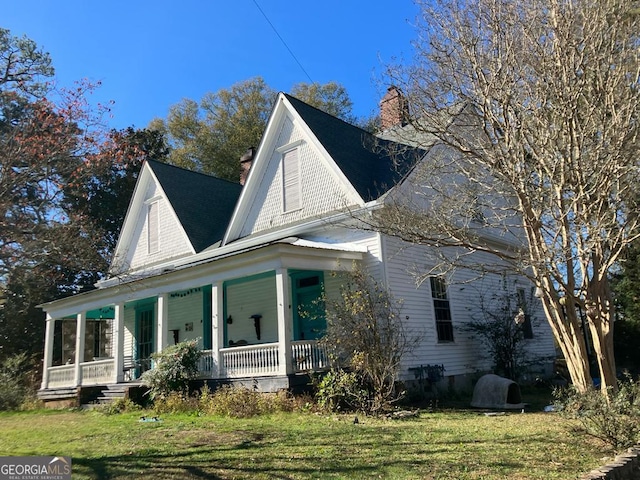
152, 227
291, 181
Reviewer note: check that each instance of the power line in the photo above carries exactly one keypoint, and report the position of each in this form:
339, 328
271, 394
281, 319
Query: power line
282, 40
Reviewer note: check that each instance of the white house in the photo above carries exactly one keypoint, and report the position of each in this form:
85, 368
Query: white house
199, 257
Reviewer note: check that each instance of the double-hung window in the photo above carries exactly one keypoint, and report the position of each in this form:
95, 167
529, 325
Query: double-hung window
442, 309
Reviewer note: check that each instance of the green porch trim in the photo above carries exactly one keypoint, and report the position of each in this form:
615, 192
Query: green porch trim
297, 291
206, 314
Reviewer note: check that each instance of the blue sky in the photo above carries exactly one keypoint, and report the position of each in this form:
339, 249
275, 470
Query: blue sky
151, 54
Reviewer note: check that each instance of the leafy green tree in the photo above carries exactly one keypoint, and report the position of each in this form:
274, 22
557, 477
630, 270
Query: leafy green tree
626, 288
63, 188
331, 98
23, 66
102, 199
212, 135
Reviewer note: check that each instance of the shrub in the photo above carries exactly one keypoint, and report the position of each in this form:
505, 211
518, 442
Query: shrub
614, 419
339, 390
14, 391
175, 402
365, 335
175, 367
501, 324
241, 402
118, 405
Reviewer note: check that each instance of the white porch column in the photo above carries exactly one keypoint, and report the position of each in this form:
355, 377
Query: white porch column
162, 327
283, 299
81, 326
217, 326
48, 351
118, 343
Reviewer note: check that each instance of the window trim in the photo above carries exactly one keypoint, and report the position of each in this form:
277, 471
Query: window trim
442, 298
292, 185
527, 325
153, 229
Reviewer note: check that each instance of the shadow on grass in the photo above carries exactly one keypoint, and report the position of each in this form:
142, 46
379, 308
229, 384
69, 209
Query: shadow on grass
203, 462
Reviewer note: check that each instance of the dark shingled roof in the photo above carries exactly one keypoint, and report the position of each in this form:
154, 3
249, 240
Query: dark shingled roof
204, 204
372, 165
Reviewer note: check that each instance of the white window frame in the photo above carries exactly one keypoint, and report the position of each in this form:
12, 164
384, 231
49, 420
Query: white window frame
291, 177
440, 303
153, 227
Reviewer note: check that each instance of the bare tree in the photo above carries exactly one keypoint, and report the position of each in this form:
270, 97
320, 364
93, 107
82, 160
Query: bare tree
365, 333
529, 112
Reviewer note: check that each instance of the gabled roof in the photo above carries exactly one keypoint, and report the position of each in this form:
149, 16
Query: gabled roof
371, 164
203, 204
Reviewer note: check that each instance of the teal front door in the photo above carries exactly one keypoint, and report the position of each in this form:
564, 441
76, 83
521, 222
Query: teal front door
145, 340
309, 319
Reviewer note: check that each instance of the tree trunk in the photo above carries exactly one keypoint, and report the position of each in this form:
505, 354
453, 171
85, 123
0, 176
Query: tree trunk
599, 312
568, 335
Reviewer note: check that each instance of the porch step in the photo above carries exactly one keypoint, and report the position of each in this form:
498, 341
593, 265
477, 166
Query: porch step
106, 394
57, 393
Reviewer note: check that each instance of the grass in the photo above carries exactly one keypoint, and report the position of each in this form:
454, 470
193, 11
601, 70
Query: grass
441, 445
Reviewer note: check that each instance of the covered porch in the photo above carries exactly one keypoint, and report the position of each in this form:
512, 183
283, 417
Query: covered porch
254, 316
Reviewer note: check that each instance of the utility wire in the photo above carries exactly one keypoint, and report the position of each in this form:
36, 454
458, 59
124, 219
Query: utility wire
283, 42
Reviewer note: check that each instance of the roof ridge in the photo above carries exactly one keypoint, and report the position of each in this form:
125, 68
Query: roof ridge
289, 96
208, 175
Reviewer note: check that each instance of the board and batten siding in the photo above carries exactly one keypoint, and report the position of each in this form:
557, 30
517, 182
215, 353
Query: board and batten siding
320, 191
172, 242
465, 290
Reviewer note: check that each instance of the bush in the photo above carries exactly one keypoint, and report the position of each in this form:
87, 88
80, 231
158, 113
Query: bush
118, 405
339, 390
365, 335
175, 402
240, 402
614, 419
175, 367
501, 324
14, 390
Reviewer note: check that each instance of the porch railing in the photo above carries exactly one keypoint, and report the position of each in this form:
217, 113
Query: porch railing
97, 372
207, 366
245, 361
248, 361
309, 356
262, 360
62, 376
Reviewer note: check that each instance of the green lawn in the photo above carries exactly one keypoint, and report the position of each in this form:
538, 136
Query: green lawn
443, 445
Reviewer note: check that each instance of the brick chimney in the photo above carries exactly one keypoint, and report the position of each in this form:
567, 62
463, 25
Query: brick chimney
394, 109
245, 162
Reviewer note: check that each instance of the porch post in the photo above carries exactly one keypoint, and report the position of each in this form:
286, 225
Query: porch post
217, 326
48, 351
81, 324
283, 299
118, 343
163, 322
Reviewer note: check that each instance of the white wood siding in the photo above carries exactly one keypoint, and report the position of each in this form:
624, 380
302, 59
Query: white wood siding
465, 290
129, 330
254, 297
321, 192
172, 240
185, 307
